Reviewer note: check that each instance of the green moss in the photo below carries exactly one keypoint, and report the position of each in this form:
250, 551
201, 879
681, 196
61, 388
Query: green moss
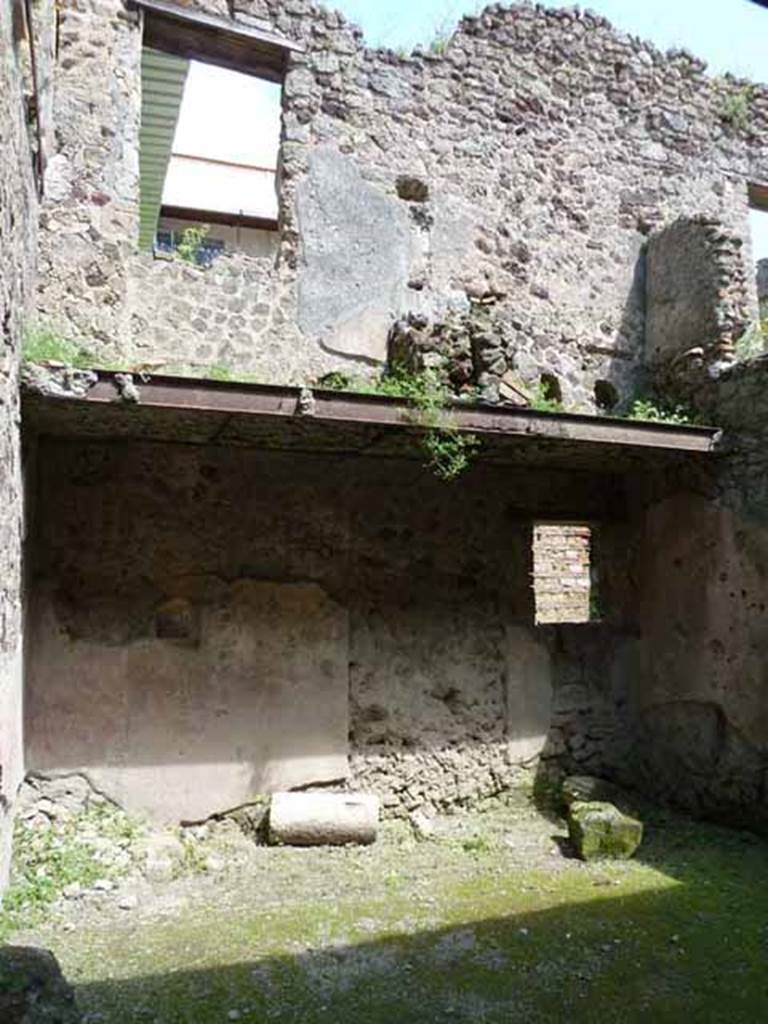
600, 831
439, 935
42, 344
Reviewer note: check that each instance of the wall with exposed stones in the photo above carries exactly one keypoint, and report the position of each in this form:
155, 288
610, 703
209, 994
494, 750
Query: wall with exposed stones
165, 661
700, 291
524, 167
545, 196
17, 244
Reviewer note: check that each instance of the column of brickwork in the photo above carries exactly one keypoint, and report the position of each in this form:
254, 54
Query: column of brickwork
561, 573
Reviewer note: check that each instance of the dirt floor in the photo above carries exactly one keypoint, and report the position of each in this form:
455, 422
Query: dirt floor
488, 921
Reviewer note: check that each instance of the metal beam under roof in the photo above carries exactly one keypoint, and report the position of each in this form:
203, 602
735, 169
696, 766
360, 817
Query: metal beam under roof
190, 411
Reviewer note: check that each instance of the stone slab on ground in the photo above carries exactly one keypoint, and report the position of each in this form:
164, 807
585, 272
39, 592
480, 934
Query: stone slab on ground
323, 819
600, 831
33, 989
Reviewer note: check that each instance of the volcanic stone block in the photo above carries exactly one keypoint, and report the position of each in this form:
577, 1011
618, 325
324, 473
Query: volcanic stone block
323, 819
599, 831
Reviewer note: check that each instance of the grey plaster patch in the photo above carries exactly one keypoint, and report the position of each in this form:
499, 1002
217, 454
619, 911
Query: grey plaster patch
355, 257
528, 693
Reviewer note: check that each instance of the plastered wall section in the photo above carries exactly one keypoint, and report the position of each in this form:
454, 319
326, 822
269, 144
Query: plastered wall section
698, 716
17, 245
526, 164
209, 624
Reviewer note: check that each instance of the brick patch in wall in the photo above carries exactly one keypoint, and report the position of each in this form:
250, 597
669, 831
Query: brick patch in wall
561, 573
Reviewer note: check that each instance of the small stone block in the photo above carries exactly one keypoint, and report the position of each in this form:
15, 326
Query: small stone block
600, 831
323, 819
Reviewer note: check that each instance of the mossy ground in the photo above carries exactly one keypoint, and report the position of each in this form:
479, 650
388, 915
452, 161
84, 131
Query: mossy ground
456, 929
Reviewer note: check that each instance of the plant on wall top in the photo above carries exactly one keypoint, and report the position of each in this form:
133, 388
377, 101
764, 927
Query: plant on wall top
191, 245
448, 449
42, 344
652, 412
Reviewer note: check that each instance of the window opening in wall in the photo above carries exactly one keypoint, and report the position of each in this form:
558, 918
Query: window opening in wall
210, 133
565, 585
216, 172
758, 222
606, 396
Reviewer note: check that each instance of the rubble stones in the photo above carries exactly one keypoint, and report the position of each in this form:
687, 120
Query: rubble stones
163, 855
57, 381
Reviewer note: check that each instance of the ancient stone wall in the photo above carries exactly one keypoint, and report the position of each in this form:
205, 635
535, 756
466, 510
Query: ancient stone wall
162, 598
17, 245
524, 165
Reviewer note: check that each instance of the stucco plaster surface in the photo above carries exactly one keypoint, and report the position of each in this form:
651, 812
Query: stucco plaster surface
253, 700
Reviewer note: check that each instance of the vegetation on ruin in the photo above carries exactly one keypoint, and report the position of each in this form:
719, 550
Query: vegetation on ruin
448, 449
654, 411
753, 342
440, 41
736, 106
489, 922
543, 400
192, 243
50, 858
43, 344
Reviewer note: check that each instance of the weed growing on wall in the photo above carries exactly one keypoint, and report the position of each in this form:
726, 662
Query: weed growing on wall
736, 108
449, 450
752, 343
542, 400
647, 410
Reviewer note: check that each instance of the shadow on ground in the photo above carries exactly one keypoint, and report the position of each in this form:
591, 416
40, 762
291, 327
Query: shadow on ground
681, 936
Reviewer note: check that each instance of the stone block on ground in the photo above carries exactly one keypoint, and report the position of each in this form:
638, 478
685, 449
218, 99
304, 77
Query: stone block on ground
600, 831
33, 989
163, 855
323, 819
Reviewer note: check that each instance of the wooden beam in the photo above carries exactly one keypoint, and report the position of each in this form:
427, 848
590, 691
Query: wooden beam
217, 217
758, 196
205, 37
